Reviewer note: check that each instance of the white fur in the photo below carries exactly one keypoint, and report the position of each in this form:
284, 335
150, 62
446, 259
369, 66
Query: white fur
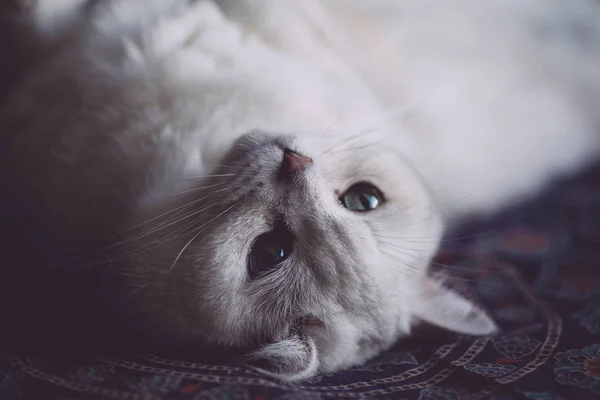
451, 107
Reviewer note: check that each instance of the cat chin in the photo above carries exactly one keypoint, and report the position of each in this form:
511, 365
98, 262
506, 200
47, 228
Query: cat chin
313, 347
318, 349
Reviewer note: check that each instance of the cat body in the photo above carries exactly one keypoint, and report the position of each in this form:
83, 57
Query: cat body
196, 133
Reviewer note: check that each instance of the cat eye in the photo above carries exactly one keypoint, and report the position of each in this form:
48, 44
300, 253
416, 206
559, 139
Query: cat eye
269, 250
362, 197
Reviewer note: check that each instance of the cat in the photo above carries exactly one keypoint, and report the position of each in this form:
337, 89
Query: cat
277, 175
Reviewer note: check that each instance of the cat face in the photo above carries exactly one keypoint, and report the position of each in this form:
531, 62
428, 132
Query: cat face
316, 258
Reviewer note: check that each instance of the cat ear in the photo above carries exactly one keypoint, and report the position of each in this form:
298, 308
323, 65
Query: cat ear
290, 359
449, 310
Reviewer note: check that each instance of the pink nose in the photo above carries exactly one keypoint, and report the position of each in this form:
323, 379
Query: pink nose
293, 162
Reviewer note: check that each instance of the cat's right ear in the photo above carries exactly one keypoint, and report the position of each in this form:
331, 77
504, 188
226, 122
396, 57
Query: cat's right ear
290, 359
442, 307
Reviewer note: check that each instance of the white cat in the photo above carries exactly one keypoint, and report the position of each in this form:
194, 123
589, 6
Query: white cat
279, 172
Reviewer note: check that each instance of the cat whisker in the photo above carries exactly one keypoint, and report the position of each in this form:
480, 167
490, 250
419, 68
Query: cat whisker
197, 188
171, 221
135, 290
410, 253
414, 268
431, 239
222, 166
444, 275
170, 236
198, 234
375, 128
452, 267
124, 253
395, 245
354, 148
438, 212
403, 262
175, 210
208, 176
183, 218
358, 135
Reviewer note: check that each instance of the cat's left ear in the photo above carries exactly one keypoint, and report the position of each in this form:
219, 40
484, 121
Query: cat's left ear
449, 310
289, 359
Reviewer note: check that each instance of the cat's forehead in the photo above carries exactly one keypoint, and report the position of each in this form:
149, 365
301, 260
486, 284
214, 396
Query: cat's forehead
377, 163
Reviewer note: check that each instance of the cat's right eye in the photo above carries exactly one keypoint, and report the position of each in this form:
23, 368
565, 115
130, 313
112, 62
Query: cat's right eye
362, 197
270, 250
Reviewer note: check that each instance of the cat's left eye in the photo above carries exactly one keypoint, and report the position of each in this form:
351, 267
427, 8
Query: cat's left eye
270, 250
362, 197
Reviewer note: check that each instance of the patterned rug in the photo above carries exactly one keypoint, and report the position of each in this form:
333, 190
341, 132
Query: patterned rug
535, 269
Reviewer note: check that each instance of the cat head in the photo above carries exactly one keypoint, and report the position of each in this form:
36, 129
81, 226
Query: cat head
316, 258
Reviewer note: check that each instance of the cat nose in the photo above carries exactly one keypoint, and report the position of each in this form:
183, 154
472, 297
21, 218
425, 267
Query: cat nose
293, 162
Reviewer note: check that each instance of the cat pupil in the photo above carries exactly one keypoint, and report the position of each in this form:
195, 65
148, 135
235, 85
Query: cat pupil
270, 250
273, 255
362, 197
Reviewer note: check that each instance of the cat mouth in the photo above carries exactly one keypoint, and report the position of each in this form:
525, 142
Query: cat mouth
308, 321
305, 325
